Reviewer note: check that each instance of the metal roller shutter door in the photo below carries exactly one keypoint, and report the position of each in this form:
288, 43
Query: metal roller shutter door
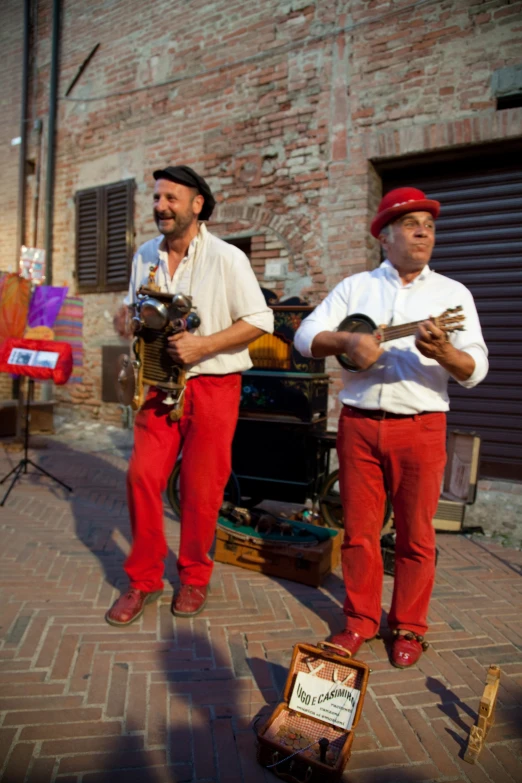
479, 243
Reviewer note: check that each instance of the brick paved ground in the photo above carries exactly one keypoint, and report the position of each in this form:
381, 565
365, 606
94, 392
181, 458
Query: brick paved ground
173, 700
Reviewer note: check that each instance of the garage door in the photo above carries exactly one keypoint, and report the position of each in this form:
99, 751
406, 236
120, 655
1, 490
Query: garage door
479, 243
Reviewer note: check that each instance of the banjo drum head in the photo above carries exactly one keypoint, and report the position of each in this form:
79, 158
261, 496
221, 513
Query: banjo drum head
354, 323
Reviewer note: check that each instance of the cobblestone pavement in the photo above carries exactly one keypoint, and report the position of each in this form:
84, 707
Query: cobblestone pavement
174, 700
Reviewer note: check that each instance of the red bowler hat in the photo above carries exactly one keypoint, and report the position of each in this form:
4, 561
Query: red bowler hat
398, 202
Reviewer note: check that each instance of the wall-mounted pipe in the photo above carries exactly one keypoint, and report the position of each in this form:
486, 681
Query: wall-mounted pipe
23, 130
51, 132
38, 130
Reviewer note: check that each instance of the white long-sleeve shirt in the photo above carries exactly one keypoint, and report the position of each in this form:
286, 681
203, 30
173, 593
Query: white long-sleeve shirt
223, 287
402, 380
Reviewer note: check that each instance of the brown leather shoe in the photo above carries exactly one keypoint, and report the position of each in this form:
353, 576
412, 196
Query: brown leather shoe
350, 640
190, 600
130, 606
407, 649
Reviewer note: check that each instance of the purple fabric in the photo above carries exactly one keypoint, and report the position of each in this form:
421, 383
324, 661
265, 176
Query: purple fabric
45, 305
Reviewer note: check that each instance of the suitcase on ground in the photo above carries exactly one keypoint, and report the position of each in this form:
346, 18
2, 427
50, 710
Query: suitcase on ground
459, 486
308, 738
308, 557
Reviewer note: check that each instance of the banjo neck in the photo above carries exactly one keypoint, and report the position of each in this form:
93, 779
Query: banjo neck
385, 333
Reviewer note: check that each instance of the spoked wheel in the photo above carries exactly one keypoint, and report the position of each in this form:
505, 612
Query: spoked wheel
232, 493
331, 507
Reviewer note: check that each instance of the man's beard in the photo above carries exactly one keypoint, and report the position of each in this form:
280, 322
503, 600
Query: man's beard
180, 225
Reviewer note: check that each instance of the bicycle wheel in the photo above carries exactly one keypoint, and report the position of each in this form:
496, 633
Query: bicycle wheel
331, 507
232, 493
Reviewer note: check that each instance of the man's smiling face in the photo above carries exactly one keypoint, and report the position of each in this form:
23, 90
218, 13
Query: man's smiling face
176, 207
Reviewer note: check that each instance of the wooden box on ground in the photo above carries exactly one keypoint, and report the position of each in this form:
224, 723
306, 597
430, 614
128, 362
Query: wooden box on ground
289, 742
308, 561
40, 412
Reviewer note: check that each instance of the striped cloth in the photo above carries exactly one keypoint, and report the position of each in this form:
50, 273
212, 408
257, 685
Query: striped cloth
68, 328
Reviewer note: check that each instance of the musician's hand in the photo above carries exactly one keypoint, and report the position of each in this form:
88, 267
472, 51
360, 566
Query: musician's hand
187, 348
432, 342
362, 349
122, 322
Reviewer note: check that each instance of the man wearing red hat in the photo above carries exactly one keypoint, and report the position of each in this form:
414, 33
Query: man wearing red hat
392, 428
187, 259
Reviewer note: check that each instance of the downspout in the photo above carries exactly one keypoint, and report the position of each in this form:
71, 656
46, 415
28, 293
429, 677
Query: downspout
20, 233
51, 132
23, 130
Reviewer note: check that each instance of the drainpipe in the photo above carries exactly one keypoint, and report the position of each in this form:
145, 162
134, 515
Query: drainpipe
51, 132
23, 130
20, 233
38, 128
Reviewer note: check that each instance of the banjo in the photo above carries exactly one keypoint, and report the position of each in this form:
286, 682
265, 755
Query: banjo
451, 320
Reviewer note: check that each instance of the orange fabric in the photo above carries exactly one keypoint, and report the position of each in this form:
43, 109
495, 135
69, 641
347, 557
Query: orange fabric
14, 306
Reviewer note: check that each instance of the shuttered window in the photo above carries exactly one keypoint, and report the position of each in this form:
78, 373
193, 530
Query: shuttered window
104, 237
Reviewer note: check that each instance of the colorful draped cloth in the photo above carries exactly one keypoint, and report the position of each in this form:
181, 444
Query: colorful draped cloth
45, 305
68, 327
15, 295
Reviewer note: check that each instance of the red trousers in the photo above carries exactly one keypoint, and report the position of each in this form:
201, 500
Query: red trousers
408, 457
205, 433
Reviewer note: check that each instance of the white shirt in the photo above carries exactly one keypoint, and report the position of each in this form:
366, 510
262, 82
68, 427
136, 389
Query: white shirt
223, 287
402, 380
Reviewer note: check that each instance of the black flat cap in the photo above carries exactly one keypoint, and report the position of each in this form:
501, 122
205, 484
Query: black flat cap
184, 175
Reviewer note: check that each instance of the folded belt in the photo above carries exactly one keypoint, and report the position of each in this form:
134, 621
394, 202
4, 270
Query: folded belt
377, 414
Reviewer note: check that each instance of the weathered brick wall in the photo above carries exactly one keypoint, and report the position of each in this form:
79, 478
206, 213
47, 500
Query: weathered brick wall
282, 105
11, 45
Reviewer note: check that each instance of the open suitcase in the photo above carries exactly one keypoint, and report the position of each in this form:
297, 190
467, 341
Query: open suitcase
307, 556
308, 738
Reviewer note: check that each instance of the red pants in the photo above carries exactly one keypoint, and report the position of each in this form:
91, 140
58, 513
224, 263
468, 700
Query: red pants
408, 456
205, 432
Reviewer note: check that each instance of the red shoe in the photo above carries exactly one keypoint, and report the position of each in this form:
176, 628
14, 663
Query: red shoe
407, 649
130, 606
190, 600
350, 640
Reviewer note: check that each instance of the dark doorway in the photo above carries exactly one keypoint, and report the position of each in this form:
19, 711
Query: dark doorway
479, 243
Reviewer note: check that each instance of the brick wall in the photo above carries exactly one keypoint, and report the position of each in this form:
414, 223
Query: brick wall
283, 105
11, 45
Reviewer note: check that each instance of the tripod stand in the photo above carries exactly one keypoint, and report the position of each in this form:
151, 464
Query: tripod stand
17, 471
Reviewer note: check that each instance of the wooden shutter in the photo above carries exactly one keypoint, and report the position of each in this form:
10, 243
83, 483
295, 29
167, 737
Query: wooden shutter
104, 237
479, 243
88, 212
119, 234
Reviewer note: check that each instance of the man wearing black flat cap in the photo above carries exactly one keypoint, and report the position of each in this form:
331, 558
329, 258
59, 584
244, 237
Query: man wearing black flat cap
186, 258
